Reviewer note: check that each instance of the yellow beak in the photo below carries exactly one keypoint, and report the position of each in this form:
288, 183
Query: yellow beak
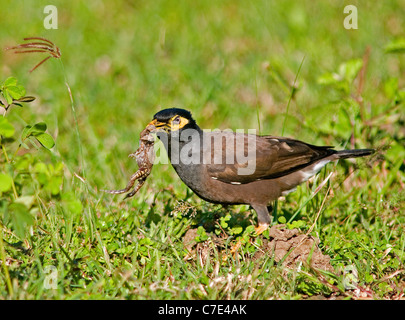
159, 125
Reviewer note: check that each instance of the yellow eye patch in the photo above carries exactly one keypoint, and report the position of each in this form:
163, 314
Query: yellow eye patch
178, 122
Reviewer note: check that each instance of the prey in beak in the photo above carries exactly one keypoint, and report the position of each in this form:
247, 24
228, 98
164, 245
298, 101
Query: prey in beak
159, 126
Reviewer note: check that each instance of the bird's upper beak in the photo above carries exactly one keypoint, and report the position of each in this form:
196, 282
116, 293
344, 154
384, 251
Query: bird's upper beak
159, 125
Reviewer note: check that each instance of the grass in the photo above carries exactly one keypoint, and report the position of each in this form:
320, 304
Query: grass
234, 64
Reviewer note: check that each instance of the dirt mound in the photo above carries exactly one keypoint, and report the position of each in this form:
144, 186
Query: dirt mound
290, 247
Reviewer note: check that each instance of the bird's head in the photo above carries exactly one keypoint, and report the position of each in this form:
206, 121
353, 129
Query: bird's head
173, 120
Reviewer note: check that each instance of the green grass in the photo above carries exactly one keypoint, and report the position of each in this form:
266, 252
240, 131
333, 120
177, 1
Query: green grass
233, 64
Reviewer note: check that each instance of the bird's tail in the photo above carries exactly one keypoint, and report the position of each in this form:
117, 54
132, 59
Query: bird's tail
355, 153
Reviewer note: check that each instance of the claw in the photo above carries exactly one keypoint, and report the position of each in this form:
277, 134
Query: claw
261, 228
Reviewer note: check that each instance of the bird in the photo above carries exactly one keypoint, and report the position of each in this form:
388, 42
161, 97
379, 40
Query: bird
238, 168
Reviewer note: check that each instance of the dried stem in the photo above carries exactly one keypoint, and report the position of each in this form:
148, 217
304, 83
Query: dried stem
42, 45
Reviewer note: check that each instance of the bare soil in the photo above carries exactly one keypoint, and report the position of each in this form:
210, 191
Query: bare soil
290, 247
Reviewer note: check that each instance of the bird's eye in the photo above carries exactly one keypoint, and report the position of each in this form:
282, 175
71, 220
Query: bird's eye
176, 120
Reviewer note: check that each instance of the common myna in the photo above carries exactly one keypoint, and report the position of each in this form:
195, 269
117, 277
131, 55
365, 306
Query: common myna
237, 168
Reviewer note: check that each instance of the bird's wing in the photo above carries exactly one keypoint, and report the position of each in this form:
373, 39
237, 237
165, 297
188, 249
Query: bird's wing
242, 158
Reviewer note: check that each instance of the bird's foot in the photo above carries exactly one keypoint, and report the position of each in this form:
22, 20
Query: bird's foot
259, 230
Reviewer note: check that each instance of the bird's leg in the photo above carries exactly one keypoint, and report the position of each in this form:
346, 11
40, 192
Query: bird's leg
263, 217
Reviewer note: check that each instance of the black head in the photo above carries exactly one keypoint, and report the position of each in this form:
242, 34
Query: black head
167, 114
173, 119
